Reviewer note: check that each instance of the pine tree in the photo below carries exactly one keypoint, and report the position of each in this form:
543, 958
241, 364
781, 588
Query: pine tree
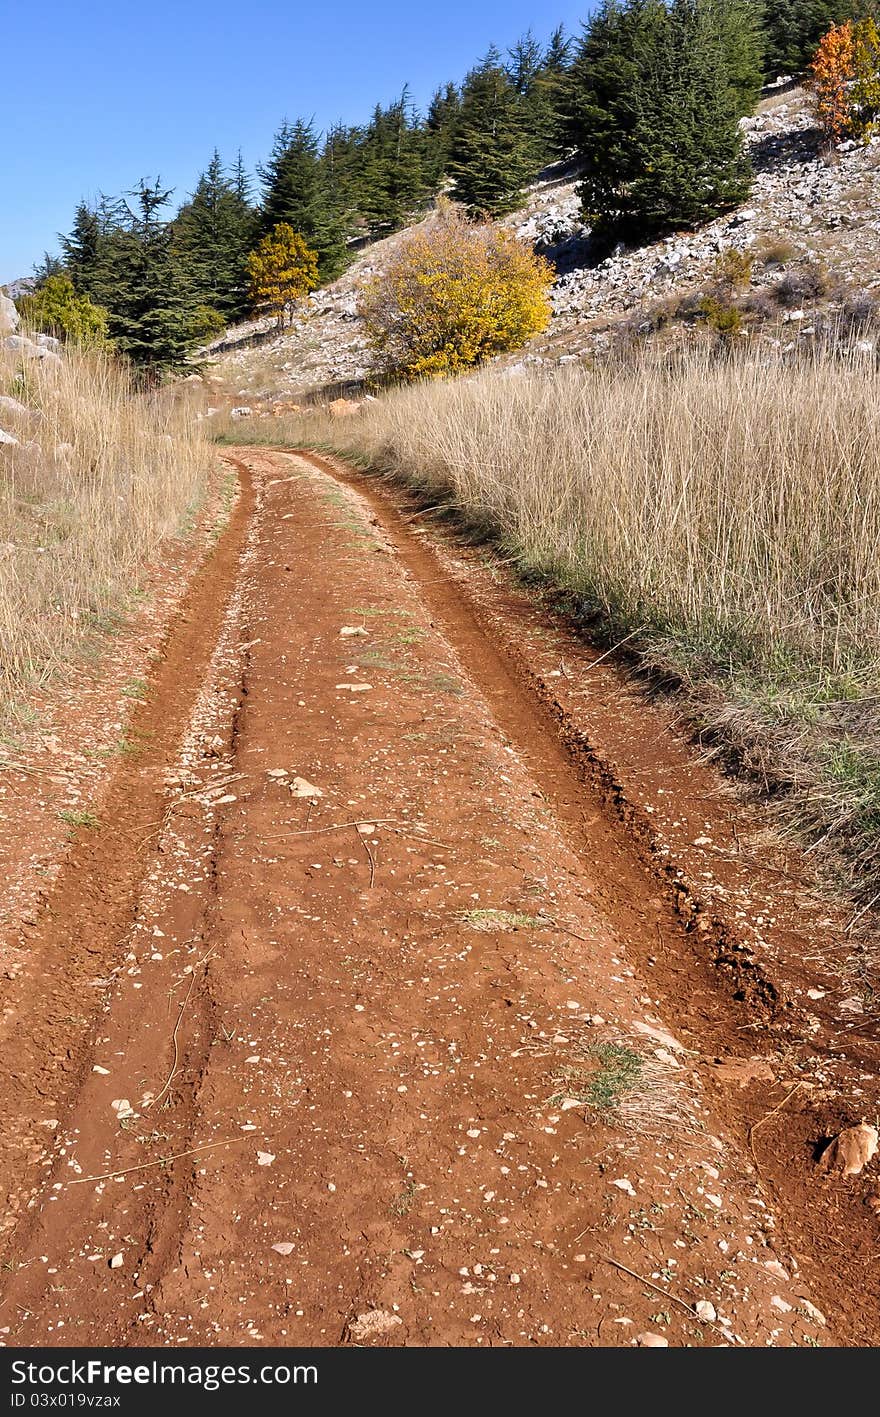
792, 30
441, 126
50, 265
655, 113
491, 155
296, 192
548, 103
82, 247
340, 167
741, 32
536, 77
215, 230
391, 186
150, 306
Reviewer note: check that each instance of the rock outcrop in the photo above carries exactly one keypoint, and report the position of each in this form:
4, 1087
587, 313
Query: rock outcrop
8, 316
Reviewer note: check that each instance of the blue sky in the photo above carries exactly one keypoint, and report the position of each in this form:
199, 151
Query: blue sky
98, 94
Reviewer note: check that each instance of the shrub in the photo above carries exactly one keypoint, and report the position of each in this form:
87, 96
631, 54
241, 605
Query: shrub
808, 283
860, 311
56, 309
733, 268
775, 252
207, 323
454, 294
760, 304
282, 270
721, 315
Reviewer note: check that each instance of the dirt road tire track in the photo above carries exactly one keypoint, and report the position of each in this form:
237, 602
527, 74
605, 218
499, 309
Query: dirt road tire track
416, 1166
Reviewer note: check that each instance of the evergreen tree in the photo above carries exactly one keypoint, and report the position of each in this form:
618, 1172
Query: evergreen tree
82, 248
741, 33
391, 186
150, 306
340, 169
792, 30
441, 126
491, 155
655, 115
215, 230
50, 265
296, 193
538, 76
550, 97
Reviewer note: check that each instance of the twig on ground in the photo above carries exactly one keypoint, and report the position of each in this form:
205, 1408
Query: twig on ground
160, 1161
181, 1010
614, 648
858, 915
366, 845
766, 1118
667, 1294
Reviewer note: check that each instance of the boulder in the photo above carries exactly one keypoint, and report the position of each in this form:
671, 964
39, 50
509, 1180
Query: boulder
851, 1150
30, 349
343, 408
8, 316
13, 408
7, 438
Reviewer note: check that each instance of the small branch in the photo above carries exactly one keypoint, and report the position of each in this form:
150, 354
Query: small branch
366, 845
614, 648
766, 1118
160, 1161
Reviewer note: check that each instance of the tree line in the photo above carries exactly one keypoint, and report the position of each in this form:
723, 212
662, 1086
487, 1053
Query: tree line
646, 100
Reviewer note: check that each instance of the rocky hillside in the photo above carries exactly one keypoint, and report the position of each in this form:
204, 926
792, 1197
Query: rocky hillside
42, 347
811, 230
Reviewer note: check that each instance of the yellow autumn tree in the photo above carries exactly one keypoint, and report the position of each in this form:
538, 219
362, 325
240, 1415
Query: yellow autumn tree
282, 271
454, 294
830, 76
864, 96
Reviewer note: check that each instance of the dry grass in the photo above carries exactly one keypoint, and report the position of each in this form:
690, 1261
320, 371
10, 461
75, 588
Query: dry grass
626, 1087
102, 475
726, 506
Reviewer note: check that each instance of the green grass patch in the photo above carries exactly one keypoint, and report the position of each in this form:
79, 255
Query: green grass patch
490, 919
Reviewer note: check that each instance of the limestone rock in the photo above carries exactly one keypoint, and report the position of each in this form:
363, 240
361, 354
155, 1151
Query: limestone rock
8, 316
851, 1150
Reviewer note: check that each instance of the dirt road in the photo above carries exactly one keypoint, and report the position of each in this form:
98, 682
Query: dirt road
373, 1011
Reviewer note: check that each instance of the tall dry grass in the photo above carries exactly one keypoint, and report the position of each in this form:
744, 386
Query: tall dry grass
102, 475
723, 511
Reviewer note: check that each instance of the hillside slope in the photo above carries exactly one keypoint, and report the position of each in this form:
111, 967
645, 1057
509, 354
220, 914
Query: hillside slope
812, 222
